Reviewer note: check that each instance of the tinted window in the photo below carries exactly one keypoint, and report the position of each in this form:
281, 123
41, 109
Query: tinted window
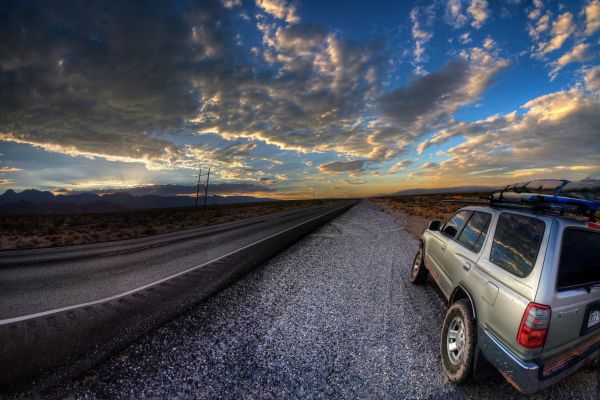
473, 235
516, 243
579, 259
455, 224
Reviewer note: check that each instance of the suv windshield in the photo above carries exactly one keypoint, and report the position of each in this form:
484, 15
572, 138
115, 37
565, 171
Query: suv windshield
579, 259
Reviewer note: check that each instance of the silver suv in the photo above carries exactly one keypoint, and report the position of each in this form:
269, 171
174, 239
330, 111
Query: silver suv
523, 287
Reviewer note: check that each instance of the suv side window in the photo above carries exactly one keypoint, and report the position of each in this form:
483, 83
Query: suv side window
474, 233
516, 243
455, 224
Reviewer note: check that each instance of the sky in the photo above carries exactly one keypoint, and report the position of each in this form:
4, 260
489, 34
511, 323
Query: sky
296, 99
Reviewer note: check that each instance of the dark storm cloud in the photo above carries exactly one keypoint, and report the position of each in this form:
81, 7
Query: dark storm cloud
174, 190
106, 78
425, 94
355, 167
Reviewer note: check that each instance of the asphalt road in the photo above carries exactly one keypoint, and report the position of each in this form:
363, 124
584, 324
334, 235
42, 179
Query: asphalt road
34, 281
333, 316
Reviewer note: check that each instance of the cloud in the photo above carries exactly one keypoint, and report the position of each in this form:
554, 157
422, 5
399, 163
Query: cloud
562, 28
160, 96
280, 9
231, 3
479, 11
454, 13
536, 11
178, 190
465, 38
355, 181
556, 136
318, 84
9, 169
353, 168
113, 81
592, 17
592, 79
402, 164
579, 53
488, 43
419, 35
430, 165
131, 92
540, 22
428, 102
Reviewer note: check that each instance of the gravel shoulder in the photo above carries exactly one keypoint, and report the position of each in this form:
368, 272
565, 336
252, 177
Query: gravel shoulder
334, 316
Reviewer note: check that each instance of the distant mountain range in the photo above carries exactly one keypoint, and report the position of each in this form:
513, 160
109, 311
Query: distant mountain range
33, 201
457, 189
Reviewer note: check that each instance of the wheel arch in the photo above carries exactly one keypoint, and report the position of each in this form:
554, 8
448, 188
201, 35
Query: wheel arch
459, 293
481, 367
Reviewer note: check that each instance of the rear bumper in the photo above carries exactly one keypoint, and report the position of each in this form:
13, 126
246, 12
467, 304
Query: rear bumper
524, 375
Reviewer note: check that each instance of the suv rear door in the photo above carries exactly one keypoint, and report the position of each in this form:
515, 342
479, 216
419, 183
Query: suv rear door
507, 273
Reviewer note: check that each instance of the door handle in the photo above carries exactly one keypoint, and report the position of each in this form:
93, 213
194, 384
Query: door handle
444, 247
466, 266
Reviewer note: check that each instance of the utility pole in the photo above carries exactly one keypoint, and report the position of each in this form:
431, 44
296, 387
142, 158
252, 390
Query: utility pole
206, 188
198, 189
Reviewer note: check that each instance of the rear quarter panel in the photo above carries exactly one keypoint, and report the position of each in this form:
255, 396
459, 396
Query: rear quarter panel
568, 307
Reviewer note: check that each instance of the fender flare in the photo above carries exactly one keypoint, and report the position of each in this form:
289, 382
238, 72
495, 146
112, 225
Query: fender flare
458, 289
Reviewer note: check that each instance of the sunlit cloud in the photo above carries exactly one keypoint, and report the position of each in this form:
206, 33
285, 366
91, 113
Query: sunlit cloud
579, 53
280, 9
400, 165
480, 12
562, 28
592, 17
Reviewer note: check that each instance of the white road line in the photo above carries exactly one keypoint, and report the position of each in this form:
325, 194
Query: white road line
106, 299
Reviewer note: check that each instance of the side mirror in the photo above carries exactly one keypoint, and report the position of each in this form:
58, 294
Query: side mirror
434, 225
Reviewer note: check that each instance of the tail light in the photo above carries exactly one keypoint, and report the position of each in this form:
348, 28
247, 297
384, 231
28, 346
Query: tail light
534, 326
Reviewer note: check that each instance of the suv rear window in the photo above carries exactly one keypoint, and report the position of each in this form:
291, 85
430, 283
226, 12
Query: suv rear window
516, 243
473, 235
579, 259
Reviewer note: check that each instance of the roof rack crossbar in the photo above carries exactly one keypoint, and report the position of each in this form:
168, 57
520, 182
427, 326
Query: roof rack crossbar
549, 198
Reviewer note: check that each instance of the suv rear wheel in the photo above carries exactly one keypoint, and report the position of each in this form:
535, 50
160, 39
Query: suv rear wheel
418, 272
458, 342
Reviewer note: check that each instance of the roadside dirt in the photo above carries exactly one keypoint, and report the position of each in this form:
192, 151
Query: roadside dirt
416, 212
35, 231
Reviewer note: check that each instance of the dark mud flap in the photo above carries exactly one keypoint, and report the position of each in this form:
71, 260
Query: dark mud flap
482, 368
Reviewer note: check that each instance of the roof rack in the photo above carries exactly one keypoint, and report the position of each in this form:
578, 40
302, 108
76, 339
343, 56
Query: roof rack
558, 196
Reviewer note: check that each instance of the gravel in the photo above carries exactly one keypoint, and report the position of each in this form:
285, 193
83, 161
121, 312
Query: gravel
334, 316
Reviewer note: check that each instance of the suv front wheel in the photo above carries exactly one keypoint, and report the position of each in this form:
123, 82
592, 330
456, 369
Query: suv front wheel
418, 272
458, 342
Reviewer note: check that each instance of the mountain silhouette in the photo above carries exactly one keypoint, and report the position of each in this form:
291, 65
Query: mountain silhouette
33, 201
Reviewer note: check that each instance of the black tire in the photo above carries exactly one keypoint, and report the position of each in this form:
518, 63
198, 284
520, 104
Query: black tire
458, 368
418, 272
